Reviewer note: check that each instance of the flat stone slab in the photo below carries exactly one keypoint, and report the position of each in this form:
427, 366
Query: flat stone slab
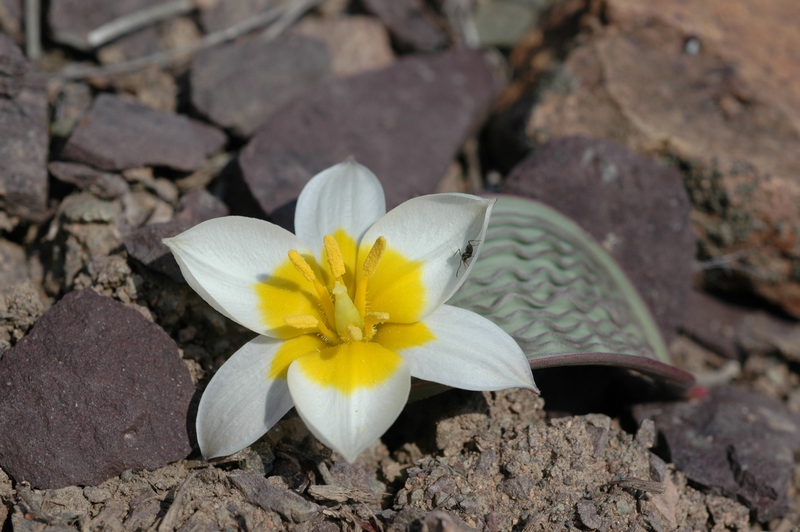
634, 207
405, 123
737, 441
240, 84
118, 134
92, 390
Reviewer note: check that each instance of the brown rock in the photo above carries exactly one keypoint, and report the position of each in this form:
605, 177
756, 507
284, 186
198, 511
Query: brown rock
405, 123
23, 138
636, 208
411, 25
241, 84
356, 43
738, 441
118, 134
94, 389
703, 85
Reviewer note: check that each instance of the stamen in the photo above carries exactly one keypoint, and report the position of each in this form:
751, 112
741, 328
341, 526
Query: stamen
307, 321
354, 333
374, 257
322, 293
370, 265
302, 266
301, 321
335, 260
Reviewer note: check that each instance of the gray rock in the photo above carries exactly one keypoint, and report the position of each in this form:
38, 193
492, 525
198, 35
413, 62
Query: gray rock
215, 16
13, 67
240, 84
104, 185
735, 440
72, 20
13, 264
93, 389
411, 25
405, 123
634, 207
118, 134
23, 138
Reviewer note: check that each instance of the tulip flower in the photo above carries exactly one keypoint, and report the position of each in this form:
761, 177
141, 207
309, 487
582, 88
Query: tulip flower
347, 311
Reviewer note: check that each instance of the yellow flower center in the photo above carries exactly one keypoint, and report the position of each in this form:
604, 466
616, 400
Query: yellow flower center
335, 316
345, 319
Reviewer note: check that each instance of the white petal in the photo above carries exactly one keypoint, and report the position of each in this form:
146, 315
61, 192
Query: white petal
223, 258
241, 402
469, 352
349, 422
347, 196
436, 230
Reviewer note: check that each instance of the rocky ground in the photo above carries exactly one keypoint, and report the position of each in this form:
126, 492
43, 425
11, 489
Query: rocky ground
669, 130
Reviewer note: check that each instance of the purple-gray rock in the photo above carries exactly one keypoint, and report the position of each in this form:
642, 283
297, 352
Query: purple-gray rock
732, 330
409, 23
13, 67
71, 21
737, 441
405, 123
104, 185
636, 208
145, 244
23, 138
118, 134
240, 84
92, 390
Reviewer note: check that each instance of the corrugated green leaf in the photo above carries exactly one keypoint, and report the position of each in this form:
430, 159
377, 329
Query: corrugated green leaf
561, 296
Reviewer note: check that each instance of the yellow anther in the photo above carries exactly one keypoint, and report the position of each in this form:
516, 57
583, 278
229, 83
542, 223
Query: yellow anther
374, 257
370, 265
301, 321
307, 321
302, 266
322, 293
354, 333
335, 260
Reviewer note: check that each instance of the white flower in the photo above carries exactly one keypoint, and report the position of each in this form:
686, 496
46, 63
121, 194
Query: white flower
347, 312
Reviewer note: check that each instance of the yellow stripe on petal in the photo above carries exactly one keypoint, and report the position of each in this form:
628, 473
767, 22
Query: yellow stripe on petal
396, 287
287, 293
351, 366
291, 350
399, 336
